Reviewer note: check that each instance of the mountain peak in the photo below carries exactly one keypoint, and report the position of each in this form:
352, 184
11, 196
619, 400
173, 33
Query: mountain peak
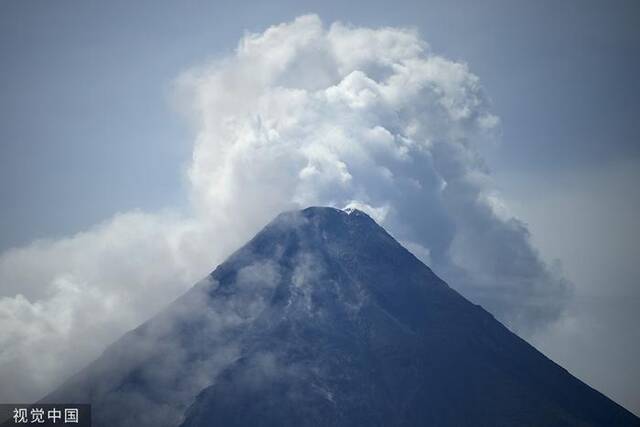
324, 319
324, 215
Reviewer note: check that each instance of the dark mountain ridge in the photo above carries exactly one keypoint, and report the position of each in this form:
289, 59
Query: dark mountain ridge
323, 319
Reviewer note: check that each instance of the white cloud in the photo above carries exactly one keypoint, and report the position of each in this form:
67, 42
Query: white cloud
299, 115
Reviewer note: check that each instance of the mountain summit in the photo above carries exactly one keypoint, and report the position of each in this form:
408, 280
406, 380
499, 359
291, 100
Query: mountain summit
323, 319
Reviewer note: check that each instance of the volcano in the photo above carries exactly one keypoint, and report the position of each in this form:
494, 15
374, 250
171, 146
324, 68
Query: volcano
323, 319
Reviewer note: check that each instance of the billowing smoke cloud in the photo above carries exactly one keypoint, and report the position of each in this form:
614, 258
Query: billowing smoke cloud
300, 115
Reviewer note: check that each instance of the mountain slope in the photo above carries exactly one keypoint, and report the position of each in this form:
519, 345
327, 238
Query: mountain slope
324, 319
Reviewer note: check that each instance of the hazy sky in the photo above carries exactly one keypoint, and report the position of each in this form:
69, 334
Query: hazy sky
89, 126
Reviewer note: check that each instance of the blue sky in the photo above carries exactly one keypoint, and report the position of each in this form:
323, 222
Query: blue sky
91, 125
87, 92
